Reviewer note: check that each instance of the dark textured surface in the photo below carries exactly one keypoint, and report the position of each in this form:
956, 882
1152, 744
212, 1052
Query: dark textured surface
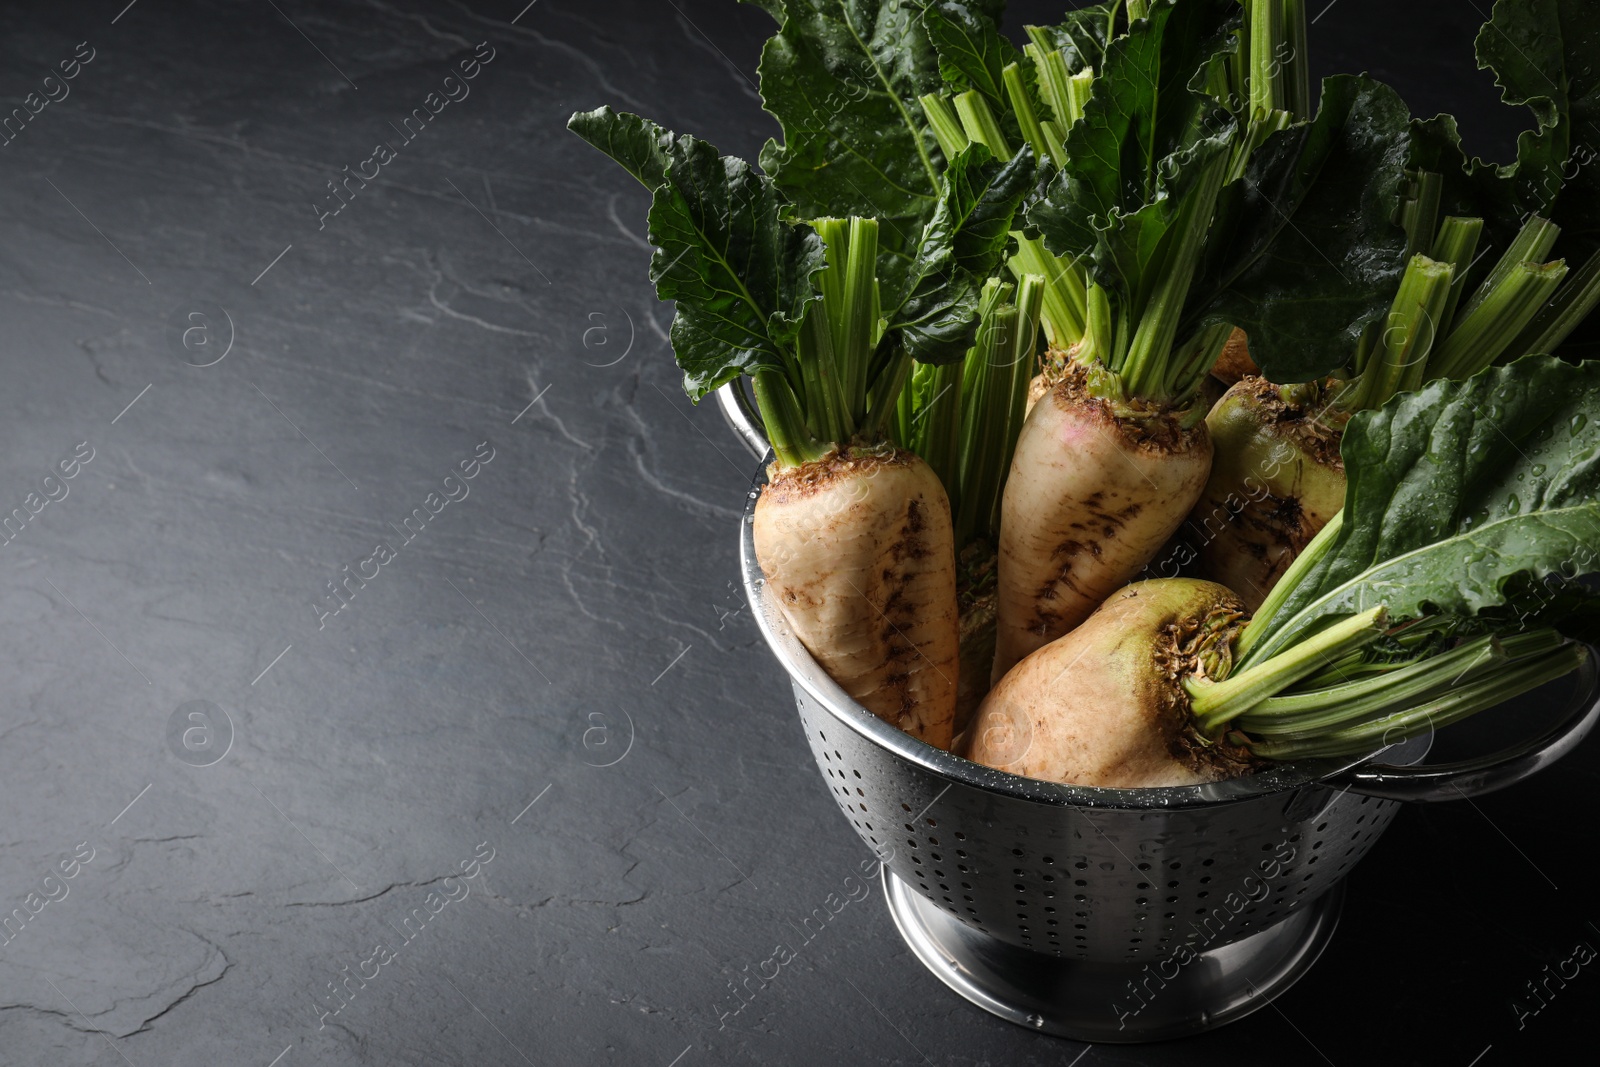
582, 584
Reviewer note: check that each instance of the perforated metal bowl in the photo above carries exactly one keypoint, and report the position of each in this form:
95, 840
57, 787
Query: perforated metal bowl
1113, 914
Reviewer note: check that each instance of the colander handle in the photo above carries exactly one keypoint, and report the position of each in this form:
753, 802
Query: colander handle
1474, 777
740, 412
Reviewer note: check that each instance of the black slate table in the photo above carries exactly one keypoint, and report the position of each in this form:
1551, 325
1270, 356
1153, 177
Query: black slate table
386, 622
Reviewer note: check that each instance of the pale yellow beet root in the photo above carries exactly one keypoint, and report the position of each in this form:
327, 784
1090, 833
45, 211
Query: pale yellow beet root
859, 553
1276, 480
1104, 705
1092, 495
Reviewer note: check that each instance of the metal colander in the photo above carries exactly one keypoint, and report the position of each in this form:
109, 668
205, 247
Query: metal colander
1112, 914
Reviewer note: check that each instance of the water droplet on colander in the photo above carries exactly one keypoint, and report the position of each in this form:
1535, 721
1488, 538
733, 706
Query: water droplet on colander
1036, 1021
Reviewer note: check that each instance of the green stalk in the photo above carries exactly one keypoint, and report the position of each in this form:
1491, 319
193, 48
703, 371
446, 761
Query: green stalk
1302, 714
884, 392
823, 398
1306, 714
784, 422
1455, 244
1052, 76
1420, 212
1296, 81
979, 123
1065, 299
1138, 9
1490, 328
1409, 335
983, 424
856, 319
1492, 688
937, 427
1214, 704
1194, 359
1079, 86
994, 403
1558, 318
1531, 245
946, 127
1265, 19
1144, 370
1261, 622
1028, 119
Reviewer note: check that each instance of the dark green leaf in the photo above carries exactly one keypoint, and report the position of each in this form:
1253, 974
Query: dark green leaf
1306, 251
965, 242
1082, 34
639, 145
1133, 252
842, 77
972, 53
741, 275
1455, 491
1141, 109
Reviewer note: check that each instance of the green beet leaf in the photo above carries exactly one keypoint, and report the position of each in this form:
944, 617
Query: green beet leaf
1459, 495
740, 273
965, 242
1141, 113
1306, 250
842, 78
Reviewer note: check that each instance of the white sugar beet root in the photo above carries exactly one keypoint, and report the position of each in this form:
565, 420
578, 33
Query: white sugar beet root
1105, 705
858, 551
1091, 497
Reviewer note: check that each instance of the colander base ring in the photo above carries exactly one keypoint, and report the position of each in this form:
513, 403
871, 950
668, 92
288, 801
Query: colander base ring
1114, 1002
